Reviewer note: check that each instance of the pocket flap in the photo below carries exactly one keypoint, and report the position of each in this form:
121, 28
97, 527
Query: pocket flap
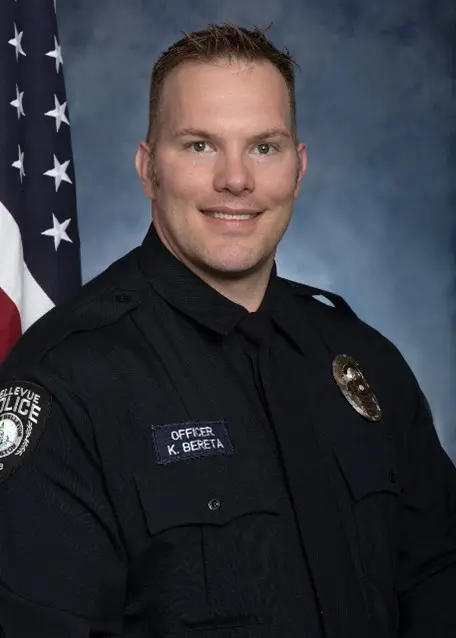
369, 466
202, 497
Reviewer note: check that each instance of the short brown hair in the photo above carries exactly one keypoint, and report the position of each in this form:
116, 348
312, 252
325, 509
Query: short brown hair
220, 42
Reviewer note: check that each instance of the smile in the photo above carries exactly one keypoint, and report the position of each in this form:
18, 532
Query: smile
232, 216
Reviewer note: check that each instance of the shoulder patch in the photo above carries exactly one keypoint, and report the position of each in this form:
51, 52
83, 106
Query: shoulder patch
24, 409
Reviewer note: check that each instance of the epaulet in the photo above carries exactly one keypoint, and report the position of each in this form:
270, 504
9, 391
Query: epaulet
101, 302
309, 291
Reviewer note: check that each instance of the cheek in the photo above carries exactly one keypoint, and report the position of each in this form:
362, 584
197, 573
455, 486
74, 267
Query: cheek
184, 182
279, 185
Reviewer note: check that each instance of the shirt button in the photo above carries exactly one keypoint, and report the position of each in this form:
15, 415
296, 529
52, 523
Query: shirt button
123, 298
392, 477
214, 504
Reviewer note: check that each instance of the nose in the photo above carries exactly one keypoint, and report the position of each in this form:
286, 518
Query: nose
233, 174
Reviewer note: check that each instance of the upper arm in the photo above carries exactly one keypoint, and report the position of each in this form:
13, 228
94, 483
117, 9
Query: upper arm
426, 551
427, 526
61, 558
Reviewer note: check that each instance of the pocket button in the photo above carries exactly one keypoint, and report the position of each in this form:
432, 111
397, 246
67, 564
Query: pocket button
214, 504
392, 477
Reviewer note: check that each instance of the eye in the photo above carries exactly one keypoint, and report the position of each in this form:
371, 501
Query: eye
198, 146
265, 149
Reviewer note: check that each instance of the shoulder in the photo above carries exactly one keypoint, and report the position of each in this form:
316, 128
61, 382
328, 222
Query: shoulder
336, 325
334, 317
103, 301
48, 376
313, 297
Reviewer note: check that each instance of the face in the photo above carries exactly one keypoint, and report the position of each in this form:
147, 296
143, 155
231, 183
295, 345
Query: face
226, 170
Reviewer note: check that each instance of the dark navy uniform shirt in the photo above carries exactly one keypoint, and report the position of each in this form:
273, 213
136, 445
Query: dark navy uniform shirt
171, 465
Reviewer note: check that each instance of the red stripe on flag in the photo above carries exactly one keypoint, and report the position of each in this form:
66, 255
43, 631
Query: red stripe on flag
10, 324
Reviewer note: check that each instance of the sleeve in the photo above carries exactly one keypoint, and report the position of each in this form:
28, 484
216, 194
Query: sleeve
62, 562
426, 557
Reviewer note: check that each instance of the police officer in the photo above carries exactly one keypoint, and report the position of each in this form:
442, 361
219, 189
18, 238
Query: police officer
194, 446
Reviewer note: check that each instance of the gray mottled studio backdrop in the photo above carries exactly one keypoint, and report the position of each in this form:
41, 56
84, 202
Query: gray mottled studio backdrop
376, 220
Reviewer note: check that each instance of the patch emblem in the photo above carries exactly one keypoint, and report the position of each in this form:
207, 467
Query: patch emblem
191, 439
355, 388
24, 408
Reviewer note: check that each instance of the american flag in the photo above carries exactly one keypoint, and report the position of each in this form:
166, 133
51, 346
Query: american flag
39, 241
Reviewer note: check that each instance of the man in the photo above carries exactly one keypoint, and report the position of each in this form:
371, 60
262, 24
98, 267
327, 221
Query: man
197, 447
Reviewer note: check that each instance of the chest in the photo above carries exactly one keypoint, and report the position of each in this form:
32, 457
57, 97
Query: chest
201, 488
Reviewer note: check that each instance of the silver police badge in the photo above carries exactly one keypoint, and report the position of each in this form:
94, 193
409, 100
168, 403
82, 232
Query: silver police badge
354, 387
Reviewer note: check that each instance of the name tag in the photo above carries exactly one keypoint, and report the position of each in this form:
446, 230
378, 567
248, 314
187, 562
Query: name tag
190, 440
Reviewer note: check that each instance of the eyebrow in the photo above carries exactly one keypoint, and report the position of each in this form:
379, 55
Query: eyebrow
202, 134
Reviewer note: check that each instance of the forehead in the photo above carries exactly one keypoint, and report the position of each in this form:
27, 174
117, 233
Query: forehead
220, 94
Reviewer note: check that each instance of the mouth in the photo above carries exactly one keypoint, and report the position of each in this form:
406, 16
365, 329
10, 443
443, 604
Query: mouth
228, 215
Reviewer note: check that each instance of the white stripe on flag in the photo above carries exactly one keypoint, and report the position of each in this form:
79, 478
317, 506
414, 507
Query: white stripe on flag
15, 278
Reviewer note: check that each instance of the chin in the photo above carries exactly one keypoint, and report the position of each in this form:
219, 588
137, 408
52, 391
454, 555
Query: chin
232, 268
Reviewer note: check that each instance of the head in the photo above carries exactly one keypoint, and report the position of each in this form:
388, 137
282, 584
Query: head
222, 142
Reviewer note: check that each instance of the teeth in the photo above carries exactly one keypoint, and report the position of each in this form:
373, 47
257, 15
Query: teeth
229, 216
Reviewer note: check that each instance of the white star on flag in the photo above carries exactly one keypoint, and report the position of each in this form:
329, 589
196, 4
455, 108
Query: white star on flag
17, 103
57, 54
40, 266
59, 173
17, 42
19, 163
58, 231
58, 113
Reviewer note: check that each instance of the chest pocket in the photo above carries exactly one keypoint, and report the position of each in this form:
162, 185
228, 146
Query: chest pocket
373, 481
213, 529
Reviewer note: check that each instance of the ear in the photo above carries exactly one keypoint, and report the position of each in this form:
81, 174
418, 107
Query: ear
143, 165
302, 167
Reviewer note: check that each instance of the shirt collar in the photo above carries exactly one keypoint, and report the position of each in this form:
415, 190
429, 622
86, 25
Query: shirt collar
186, 292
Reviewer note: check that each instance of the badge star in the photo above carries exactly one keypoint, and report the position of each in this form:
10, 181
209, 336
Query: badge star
17, 103
19, 163
57, 54
58, 231
58, 113
16, 42
59, 173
